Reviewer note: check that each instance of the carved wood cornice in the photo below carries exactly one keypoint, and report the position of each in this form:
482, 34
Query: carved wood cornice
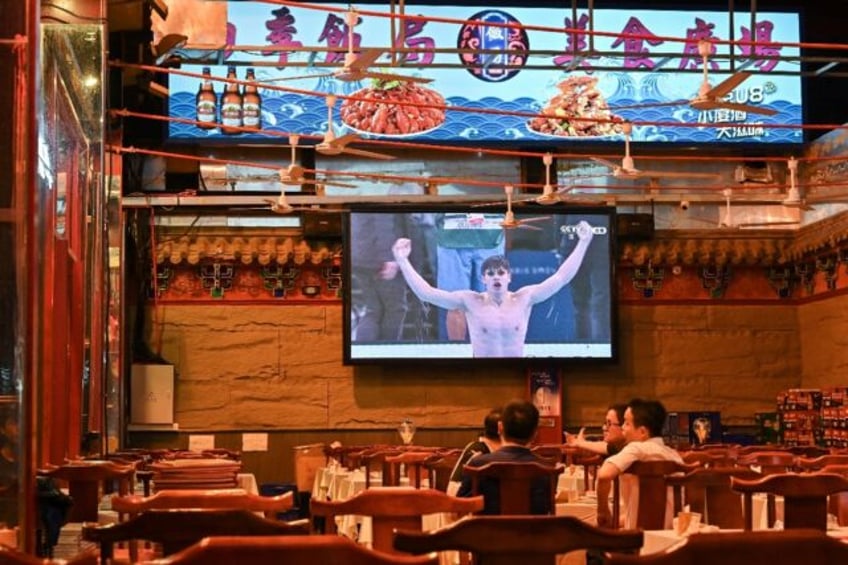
765, 248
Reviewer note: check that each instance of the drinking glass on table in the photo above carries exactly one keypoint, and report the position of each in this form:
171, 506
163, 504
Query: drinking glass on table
406, 429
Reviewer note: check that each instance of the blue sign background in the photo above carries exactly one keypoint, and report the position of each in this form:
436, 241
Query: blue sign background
254, 23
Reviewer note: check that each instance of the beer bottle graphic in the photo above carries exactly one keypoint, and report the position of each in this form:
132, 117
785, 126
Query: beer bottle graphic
251, 104
206, 102
231, 106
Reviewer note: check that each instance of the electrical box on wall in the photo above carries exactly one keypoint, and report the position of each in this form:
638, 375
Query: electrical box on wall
152, 394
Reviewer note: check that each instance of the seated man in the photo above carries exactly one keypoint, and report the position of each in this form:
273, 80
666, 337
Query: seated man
517, 428
643, 423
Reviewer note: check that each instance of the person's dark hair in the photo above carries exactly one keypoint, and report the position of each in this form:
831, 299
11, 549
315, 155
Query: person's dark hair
520, 419
494, 262
648, 413
490, 423
619, 411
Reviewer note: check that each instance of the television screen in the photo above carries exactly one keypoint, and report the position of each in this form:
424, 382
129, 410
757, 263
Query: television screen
458, 282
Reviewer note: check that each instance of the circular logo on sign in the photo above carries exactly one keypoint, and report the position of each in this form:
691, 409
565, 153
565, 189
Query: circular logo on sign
491, 49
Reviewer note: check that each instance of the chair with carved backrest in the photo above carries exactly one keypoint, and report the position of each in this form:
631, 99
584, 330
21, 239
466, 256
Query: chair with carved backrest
176, 530
11, 556
291, 550
440, 466
818, 463
391, 508
651, 478
516, 483
551, 453
86, 480
838, 503
528, 540
211, 499
707, 491
408, 463
769, 462
746, 548
374, 461
804, 495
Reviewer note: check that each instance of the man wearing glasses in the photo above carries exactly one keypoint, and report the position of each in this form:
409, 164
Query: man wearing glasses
497, 317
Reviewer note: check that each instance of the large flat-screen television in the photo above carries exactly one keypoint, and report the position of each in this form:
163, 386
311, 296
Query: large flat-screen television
457, 282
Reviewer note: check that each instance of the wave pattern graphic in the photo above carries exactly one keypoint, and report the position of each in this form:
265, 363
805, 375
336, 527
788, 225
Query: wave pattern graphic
308, 115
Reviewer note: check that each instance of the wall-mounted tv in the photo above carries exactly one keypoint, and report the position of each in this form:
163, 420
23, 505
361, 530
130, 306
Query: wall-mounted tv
453, 282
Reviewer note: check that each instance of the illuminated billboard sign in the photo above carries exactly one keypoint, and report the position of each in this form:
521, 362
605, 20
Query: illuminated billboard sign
643, 66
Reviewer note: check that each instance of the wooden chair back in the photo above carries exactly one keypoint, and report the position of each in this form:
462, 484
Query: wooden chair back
291, 550
708, 458
440, 466
818, 463
212, 499
804, 497
176, 530
708, 492
528, 540
651, 476
375, 462
838, 503
410, 461
746, 548
516, 482
590, 462
391, 509
10, 556
85, 480
768, 462
551, 453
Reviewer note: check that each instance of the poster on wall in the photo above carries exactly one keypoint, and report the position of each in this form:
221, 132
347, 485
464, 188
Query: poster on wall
515, 62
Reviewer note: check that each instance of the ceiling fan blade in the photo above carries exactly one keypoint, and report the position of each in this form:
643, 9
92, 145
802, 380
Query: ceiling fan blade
522, 226
719, 104
299, 77
606, 162
345, 139
369, 154
650, 105
676, 175
534, 219
365, 59
380, 75
724, 87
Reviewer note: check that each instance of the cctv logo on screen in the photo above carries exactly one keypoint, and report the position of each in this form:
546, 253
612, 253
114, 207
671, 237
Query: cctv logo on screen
572, 230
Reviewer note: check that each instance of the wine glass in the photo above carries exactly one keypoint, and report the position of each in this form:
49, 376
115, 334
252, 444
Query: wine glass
406, 429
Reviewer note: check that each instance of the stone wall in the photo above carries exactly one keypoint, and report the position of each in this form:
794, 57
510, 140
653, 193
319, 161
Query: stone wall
242, 367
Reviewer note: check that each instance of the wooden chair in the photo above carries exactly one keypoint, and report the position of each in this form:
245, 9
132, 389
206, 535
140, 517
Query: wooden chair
291, 550
176, 530
10, 556
551, 453
86, 480
707, 458
218, 500
746, 548
708, 492
528, 540
769, 462
818, 463
590, 462
375, 462
411, 461
838, 503
804, 496
515, 484
440, 466
390, 509
651, 477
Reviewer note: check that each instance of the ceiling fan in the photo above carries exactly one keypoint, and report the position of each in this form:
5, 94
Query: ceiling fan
332, 145
511, 222
293, 175
711, 97
627, 168
281, 205
356, 66
793, 194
